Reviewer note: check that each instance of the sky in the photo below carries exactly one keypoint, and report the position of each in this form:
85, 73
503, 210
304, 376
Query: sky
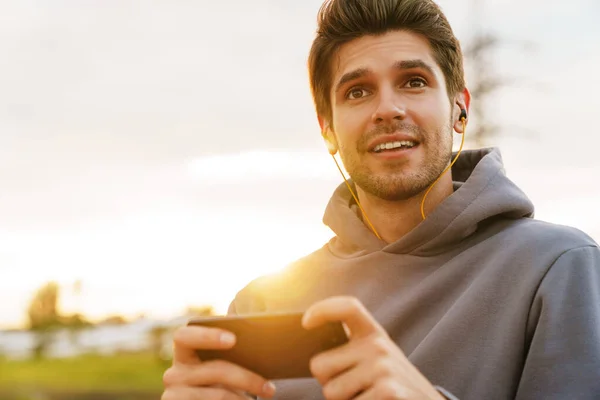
165, 153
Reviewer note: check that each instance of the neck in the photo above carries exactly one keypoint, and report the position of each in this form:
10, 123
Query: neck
394, 219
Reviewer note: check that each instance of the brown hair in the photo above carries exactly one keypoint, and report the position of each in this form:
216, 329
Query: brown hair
340, 21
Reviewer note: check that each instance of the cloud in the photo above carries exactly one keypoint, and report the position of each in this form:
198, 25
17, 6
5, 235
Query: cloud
192, 70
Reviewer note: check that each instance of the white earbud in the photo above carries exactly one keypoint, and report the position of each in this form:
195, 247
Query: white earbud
332, 147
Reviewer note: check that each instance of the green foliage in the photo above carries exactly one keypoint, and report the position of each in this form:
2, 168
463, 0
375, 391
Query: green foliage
90, 373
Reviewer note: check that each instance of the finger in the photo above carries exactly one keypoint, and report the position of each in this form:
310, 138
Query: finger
331, 363
218, 373
188, 393
387, 389
354, 381
188, 339
348, 310
242, 393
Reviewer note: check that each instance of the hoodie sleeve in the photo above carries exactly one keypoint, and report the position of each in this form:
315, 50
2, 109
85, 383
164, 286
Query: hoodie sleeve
563, 360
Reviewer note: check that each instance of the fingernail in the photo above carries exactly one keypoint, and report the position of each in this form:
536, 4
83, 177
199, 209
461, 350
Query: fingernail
305, 317
269, 389
227, 338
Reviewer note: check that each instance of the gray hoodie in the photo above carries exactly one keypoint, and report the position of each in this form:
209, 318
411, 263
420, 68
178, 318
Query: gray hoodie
484, 300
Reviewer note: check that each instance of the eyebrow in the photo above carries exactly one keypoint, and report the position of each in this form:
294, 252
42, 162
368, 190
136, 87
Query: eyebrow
414, 64
400, 65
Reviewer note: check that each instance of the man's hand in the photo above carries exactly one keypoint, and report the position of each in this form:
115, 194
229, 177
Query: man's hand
189, 378
370, 365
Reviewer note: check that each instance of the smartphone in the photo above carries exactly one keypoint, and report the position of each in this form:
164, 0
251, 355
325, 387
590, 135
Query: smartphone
275, 346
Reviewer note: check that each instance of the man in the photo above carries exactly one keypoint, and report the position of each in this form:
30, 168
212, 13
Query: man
471, 298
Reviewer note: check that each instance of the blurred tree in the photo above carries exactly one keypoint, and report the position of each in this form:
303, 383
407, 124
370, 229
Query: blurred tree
42, 311
484, 80
43, 316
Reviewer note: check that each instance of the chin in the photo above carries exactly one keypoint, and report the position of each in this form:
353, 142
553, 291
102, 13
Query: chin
397, 187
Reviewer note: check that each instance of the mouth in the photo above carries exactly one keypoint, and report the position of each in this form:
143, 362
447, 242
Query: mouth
394, 146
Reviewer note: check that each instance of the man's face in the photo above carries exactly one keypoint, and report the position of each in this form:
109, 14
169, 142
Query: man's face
388, 91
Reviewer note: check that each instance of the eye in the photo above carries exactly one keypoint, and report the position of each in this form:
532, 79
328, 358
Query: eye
356, 93
416, 83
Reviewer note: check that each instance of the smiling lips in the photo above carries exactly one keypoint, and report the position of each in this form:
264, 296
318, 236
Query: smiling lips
403, 144
396, 143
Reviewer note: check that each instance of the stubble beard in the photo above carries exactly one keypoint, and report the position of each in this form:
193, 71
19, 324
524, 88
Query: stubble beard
398, 182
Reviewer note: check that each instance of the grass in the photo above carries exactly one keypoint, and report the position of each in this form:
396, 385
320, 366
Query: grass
91, 373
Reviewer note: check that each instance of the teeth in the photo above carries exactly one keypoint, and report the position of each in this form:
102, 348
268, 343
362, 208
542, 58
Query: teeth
394, 145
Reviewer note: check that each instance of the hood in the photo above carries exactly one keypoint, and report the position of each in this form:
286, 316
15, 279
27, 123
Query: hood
481, 191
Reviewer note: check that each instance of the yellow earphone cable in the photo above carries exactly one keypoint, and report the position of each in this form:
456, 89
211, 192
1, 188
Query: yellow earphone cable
356, 199
464, 122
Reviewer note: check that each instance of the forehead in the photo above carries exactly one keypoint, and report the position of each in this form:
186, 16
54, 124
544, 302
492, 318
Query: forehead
379, 53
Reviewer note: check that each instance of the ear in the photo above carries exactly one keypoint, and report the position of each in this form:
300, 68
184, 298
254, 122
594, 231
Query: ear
322, 123
326, 131
463, 101
328, 136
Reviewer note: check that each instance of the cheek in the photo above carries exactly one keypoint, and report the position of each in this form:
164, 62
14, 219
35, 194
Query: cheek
349, 129
434, 117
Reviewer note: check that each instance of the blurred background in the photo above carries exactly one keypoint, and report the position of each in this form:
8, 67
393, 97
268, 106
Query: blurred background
157, 156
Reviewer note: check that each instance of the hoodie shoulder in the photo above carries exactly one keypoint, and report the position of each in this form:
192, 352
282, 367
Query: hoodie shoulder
560, 238
253, 297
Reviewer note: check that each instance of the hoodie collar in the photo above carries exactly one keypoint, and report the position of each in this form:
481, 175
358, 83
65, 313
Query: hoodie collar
482, 191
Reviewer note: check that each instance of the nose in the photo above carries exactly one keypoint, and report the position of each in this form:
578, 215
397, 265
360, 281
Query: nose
389, 107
